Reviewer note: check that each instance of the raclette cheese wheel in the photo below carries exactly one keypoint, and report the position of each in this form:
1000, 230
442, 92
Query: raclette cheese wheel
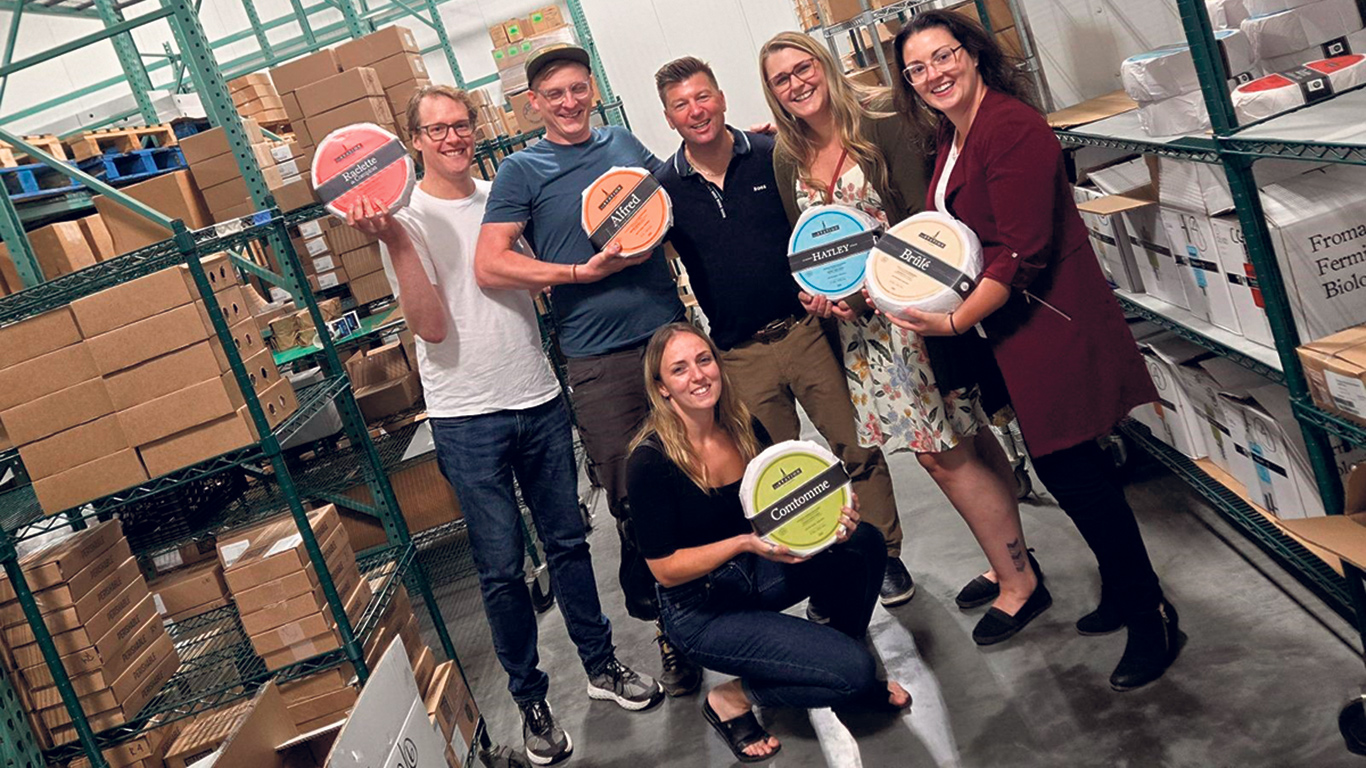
793, 493
629, 206
928, 262
362, 161
829, 248
1296, 87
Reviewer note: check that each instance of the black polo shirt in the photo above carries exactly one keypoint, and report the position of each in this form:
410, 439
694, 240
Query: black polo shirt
733, 241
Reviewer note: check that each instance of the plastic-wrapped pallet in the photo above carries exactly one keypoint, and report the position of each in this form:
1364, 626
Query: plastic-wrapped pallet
1284, 33
1296, 87
1338, 46
1226, 14
1169, 71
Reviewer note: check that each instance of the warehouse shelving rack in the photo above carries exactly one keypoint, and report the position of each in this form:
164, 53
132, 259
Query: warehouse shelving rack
1327, 131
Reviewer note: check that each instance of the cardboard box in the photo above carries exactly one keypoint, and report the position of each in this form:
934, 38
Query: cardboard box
109, 668
216, 437
64, 611
362, 261
1109, 239
294, 75
373, 109
272, 549
37, 336
45, 374
1335, 367
354, 590
74, 588
61, 249
1244, 289
145, 751
1207, 290
209, 729
178, 411
73, 447
1343, 535
56, 412
384, 363
543, 20
381, 44
372, 287
450, 704
144, 297
399, 95
424, 669
180, 368
528, 119
400, 68
201, 146
59, 562
173, 194
102, 652
1172, 418
70, 630
512, 30
147, 339
293, 585
424, 496
97, 237
344, 238
295, 194
188, 588
324, 281
89, 481
338, 90
293, 111
336, 703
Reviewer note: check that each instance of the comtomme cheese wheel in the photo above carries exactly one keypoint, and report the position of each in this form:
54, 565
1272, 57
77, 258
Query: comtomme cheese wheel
792, 494
928, 262
362, 160
1312, 82
829, 248
629, 206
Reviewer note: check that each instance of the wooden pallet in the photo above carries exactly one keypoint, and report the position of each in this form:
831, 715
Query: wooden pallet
119, 140
11, 157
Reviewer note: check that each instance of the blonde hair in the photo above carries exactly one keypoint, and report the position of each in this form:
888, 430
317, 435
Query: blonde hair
849, 105
666, 425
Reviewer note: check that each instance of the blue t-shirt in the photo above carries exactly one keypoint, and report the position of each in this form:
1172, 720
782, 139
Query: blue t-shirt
543, 186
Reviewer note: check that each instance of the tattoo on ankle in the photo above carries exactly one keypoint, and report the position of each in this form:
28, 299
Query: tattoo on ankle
1017, 555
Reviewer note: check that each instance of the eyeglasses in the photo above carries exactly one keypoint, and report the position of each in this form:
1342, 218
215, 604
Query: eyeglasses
803, 71
437, 131
577, 90
916, 72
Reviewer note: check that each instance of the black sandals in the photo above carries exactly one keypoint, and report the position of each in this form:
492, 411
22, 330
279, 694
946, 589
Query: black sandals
739, 732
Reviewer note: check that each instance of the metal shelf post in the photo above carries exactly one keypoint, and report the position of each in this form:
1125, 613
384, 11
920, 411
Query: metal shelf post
130, 60
254, 19
585, 35
20, 251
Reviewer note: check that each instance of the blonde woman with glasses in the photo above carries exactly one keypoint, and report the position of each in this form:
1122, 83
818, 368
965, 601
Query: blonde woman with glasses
840, 143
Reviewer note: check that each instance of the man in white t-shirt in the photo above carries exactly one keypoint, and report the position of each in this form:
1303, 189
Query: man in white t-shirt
497, 414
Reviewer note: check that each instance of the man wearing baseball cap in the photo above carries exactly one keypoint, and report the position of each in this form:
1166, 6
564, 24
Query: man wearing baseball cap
606, 307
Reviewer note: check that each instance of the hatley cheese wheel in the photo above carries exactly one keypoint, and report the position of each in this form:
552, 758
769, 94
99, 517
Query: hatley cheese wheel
362, 160
793, 493
1312, 82
928, 262
829, 248
629, 206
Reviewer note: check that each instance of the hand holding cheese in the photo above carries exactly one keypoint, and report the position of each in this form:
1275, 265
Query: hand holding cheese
797, 496
362, 161
627, 206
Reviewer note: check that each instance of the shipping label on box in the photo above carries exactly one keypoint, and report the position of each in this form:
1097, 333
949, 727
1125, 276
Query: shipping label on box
1207, 290
1244, 291
1334, 368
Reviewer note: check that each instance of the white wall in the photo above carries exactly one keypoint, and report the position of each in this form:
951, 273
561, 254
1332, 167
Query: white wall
1081, 43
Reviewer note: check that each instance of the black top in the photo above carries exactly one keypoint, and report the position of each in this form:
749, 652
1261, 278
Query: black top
733, 241
668, 509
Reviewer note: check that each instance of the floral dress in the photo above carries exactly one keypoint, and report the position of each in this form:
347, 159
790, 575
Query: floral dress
896, 401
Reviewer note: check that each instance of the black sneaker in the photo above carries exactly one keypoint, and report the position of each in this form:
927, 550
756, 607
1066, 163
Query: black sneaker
680, 676
630, 690
546, 742
897, 585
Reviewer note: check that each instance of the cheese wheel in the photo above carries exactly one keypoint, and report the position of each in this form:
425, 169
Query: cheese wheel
1170, 71
1226, 14
1176, 116
1338, 46
928, 262
629, 206
362, 160
793, 493
1312, 82
1281, 34
1267, 7
829, 248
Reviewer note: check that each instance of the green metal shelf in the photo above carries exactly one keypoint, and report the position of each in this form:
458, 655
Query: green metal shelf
218, 665
22, 518
376, 324
1124, 133
1331, 422
1308, 568
1251, 355
1332, 130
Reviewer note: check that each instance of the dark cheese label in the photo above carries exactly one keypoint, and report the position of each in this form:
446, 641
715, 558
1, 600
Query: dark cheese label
1314, 86
927, 263
834, 250
365, 168
625, 209
772, 517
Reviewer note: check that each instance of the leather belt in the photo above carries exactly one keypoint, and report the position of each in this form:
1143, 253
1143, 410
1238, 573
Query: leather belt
776, 330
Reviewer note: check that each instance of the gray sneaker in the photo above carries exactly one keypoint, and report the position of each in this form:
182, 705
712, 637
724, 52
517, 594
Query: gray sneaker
627, 688
546, 742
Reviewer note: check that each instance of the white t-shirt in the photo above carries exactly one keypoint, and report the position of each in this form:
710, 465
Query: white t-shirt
491, 359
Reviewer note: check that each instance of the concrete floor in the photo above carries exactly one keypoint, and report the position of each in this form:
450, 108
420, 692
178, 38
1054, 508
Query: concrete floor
1259, 684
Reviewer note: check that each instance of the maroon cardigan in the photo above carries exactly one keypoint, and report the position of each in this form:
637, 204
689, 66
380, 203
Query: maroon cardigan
1071, 379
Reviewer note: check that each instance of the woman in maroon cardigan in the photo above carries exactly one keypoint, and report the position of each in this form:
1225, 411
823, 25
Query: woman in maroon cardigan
1061, 342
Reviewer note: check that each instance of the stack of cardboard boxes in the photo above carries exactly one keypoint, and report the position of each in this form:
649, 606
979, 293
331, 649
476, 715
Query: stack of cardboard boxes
358, 261
384, 381
66, 247
275, 586
190, 591
104, 624
451, 707
492, 120
395, 57
146, 751
255, 97
173, 194
219, 178
514, 40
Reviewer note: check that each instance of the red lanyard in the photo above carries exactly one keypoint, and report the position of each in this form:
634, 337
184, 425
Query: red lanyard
830, 189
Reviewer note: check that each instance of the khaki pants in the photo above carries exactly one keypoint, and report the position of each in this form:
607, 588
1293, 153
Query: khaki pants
801, 368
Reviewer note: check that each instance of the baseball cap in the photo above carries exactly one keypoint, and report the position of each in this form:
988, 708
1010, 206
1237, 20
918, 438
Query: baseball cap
544, 57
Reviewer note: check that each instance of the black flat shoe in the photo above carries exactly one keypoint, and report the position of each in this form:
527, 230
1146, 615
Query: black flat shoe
739, 732
1155, 640
998, 626
982, 590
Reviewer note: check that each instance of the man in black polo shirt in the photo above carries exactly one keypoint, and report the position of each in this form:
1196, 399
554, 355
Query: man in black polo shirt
731, 232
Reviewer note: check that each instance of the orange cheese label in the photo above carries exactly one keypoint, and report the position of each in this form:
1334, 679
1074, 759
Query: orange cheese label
628, 206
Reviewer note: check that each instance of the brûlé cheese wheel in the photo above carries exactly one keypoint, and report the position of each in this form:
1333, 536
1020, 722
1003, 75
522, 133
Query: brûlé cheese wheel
793, 493
928, 262
627, 205
829, 248
362, 161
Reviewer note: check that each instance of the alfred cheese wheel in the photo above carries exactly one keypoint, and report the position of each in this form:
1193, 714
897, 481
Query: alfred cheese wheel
1296, 87
627, 205
829, 248
928, 262
792, 494
362, 160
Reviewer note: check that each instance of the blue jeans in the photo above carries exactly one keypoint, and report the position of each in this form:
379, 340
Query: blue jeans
730, 621
480, 456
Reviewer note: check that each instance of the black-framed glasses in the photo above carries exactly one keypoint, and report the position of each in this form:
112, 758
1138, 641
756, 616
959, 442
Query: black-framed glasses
577, 90
437, 131
804, 71
916, 72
